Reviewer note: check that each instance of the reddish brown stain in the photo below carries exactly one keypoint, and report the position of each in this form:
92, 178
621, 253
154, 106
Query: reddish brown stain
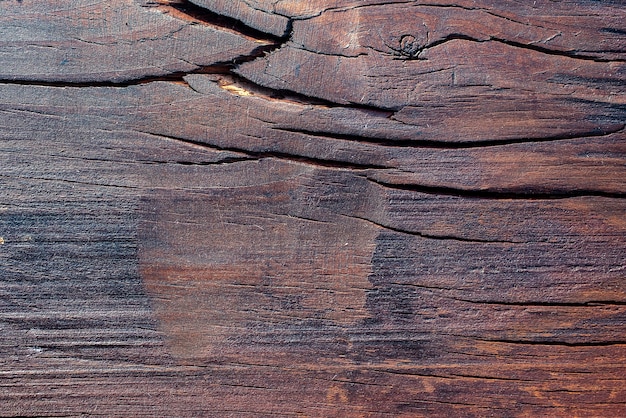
229, 269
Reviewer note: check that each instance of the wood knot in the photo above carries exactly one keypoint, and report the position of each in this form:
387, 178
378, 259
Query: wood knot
410, 46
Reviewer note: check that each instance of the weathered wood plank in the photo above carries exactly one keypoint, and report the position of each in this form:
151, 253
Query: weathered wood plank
297, 218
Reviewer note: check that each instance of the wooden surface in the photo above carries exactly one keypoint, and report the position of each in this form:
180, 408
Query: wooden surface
313, 208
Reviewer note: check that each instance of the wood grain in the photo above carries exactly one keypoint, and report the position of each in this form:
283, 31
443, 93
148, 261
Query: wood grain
347, 208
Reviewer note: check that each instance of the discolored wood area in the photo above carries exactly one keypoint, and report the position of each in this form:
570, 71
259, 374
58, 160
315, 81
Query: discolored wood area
313, 208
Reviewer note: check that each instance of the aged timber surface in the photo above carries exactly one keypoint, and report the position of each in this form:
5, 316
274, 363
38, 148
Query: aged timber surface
313, 208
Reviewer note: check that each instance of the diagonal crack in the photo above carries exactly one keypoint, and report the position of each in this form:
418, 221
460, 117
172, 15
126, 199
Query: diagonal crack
431, 236
515, 44
186, 10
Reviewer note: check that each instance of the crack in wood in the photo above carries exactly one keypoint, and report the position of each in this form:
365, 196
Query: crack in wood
431, 236
424, 143
515, 44
549, 304
293, 158
498, 194
186, 10
557, 343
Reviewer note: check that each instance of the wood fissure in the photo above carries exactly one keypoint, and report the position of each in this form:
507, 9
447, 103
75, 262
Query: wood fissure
452, 145
496, 194
257, 155
201, 15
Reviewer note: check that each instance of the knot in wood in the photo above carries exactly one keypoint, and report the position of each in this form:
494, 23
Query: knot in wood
410, 46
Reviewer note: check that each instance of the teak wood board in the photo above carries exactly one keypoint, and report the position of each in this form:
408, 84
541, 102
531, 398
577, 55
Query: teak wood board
313, 208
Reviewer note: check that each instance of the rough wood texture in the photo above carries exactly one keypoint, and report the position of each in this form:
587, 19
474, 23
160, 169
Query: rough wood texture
320, 208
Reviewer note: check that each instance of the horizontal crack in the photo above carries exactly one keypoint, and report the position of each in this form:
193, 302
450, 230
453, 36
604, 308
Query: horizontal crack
557, 343
227, 160
496, 194
472, 376
593, 304
424, 143
444, 290
86, 183
294, 158
423, 286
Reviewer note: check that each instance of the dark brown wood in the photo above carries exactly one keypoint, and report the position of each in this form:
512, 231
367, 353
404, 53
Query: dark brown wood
346, 208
